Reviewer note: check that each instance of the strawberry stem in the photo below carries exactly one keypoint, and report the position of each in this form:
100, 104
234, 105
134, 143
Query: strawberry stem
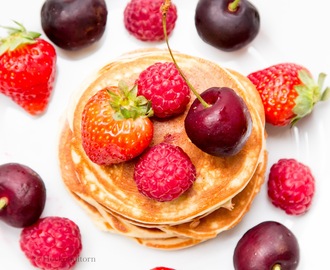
164, 8
3, 202
233, 6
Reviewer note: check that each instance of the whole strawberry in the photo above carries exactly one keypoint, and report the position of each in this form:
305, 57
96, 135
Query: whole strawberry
143, 19
291, 186
162, 84
288, 92
115, 125
53, 243
164, 172
27, 69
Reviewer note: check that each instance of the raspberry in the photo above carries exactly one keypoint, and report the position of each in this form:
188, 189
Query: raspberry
143, 19
291, 186
164, 172
162, 84
52, 243
162, 268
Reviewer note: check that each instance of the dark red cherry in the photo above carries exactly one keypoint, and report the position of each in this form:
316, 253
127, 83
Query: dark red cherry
22, 195
223, 128
74, 24
267, 246
227, 24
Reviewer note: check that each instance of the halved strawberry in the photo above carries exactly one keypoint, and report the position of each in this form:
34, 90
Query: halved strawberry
27, 69
288, 92
116, 125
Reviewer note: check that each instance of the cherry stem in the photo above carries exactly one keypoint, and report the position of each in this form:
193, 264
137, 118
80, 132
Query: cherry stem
3, 202
164, 8
277, 267
234, 5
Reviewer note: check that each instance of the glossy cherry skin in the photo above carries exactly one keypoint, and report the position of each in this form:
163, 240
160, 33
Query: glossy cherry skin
224, 29
74, 24
265, 246
24, 194
223, 128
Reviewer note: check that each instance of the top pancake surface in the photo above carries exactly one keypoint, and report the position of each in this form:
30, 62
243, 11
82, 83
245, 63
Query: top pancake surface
218, 179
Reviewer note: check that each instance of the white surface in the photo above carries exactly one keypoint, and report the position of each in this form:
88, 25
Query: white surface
291, 30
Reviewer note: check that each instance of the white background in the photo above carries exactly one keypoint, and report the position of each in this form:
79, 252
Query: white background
291, 31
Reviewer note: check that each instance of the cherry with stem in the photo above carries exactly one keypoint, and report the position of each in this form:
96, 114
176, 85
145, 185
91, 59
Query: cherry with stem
218, 121
164, 8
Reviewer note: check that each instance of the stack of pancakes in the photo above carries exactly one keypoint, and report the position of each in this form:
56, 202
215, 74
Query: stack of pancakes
224, 188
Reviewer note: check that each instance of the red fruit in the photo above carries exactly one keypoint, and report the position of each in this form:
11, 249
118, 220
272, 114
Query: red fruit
115, 125
143, 19
288, 92
22, 195
162, 268
267, 246
52, 243
163, 85
164, 172
222, 128
226, 24
291, 186
27, 69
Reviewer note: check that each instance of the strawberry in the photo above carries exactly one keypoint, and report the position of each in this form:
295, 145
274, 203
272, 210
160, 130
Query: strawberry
162, 84
115, 125
27, 69
143, 19
288, 92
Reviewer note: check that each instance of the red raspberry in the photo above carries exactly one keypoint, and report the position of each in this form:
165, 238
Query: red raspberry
162, 84
291, 186
162, 268
164, 172
143, 19
52, 243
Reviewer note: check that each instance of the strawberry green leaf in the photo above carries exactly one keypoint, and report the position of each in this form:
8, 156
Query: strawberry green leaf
326, 94
127, 104
17, 37
309, 93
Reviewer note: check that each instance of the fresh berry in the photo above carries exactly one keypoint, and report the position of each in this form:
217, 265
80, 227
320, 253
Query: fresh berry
288, 92
267, 246
27, 69
53, 243
218, 122
223, 127
22, 195
115, 125
162, 268
143, 19
227, 25
164, 172
162, 84
74, 24
291, 186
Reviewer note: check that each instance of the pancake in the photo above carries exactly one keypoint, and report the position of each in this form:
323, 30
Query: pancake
99, 215
110, 193
166, 237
